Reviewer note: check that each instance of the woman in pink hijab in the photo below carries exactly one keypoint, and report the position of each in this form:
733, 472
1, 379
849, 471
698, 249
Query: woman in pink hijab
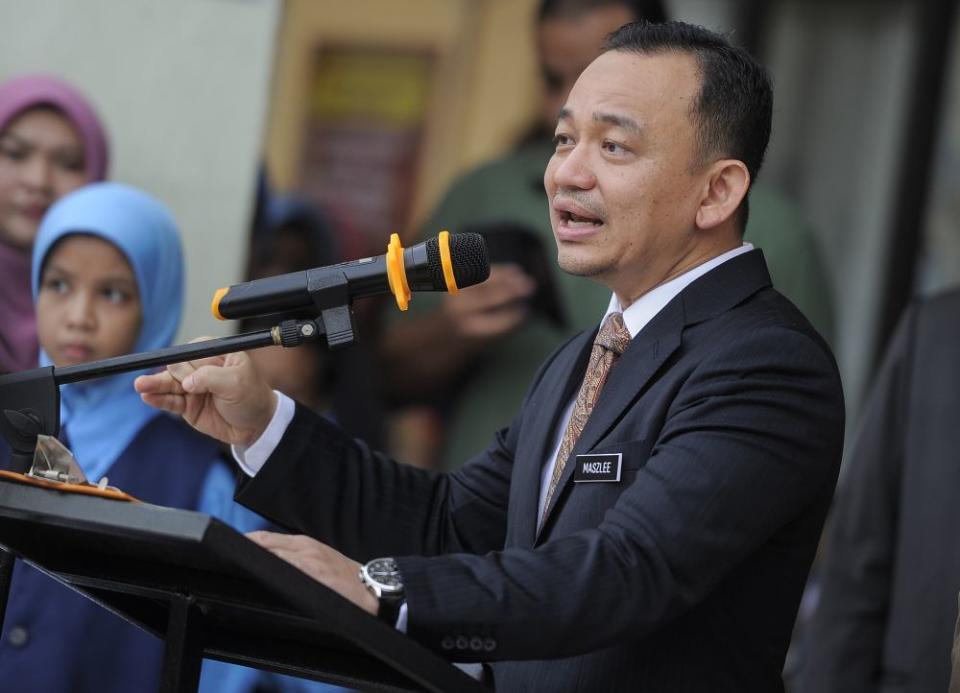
51, 142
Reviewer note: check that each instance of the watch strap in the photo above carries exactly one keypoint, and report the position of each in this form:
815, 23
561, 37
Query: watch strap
389, 610
390, 599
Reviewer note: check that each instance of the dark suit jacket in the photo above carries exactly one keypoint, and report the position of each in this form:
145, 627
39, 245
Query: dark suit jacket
888, 603
684, 576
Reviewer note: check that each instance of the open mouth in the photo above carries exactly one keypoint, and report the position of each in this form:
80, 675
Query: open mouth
571, 219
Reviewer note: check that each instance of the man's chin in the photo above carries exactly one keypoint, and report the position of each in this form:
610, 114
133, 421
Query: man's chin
578, 267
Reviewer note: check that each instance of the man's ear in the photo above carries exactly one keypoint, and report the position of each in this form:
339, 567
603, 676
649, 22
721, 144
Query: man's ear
726, 185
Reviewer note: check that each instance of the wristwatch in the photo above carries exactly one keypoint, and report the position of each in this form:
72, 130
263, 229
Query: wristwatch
382, 577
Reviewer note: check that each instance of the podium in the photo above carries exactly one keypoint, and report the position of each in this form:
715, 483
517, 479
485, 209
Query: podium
208, 591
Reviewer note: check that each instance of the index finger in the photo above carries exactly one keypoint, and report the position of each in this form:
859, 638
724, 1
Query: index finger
162, 383
182, 369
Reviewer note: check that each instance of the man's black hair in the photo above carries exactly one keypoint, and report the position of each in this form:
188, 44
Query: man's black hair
650, 10
733, 111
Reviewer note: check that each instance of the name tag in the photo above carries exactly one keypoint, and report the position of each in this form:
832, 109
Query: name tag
602, 467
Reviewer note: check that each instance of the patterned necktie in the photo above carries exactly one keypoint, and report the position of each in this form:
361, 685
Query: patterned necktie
611, 341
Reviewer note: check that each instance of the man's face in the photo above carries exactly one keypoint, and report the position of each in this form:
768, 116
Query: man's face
566, 45
622, 184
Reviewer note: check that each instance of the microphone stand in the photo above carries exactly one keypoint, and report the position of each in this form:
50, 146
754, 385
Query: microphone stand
30, 400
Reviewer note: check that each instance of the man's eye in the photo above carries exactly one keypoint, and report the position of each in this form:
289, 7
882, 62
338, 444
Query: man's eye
561, 139
613, 147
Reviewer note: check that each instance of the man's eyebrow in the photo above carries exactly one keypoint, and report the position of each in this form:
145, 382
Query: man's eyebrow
619, 121
610, 118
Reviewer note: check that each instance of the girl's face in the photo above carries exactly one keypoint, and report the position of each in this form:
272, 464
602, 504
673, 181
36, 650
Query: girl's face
41, 160
88, 307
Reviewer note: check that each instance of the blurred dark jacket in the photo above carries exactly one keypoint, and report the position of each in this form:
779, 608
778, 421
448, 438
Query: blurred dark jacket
888, 606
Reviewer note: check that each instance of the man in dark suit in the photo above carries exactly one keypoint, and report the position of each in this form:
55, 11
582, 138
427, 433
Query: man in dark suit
888, 601
648, 519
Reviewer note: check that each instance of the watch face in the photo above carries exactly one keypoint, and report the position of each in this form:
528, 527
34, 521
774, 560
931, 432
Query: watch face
384, 572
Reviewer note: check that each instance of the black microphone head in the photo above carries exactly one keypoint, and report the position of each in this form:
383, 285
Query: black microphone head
468, 255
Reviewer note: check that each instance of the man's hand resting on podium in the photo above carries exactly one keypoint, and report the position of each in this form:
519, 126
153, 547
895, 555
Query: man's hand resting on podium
325, 565
222, 396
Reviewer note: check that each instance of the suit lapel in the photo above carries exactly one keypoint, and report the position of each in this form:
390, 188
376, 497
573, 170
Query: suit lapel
629, 377
712, 294
558, 386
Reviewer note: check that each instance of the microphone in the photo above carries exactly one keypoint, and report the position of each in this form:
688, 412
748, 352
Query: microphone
444, 263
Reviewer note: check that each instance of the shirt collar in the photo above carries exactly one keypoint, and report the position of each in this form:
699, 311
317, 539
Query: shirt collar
645, 308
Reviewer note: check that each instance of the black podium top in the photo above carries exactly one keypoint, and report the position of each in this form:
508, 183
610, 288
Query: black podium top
257, 610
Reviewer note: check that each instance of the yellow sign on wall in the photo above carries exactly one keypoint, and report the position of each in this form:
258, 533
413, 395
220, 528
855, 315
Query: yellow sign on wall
384, 87
361, 151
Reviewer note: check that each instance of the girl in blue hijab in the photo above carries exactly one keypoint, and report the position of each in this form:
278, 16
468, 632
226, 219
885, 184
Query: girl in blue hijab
107, 277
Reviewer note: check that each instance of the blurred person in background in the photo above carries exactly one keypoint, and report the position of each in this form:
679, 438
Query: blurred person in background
472, 355
293, 235
51, 142
889, 582
289, 236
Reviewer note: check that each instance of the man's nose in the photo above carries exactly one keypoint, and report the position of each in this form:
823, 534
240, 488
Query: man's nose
573, 169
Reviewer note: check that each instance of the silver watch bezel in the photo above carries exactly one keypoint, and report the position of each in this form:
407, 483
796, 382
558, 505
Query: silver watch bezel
382, 590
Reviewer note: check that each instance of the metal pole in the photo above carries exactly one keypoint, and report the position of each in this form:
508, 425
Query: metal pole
932, 45
162, 357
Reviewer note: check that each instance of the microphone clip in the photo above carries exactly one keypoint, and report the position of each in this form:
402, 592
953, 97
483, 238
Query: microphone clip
330, 293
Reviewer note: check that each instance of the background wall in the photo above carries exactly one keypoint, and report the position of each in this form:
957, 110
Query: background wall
841, 74
182, 86
484, 84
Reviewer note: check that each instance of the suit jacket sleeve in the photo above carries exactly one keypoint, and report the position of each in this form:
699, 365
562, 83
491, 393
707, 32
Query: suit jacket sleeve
847, 636
323, 483
750, 440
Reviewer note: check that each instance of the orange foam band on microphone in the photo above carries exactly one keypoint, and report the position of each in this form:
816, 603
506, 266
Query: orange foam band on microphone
397, 272
446, 262
215, 304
